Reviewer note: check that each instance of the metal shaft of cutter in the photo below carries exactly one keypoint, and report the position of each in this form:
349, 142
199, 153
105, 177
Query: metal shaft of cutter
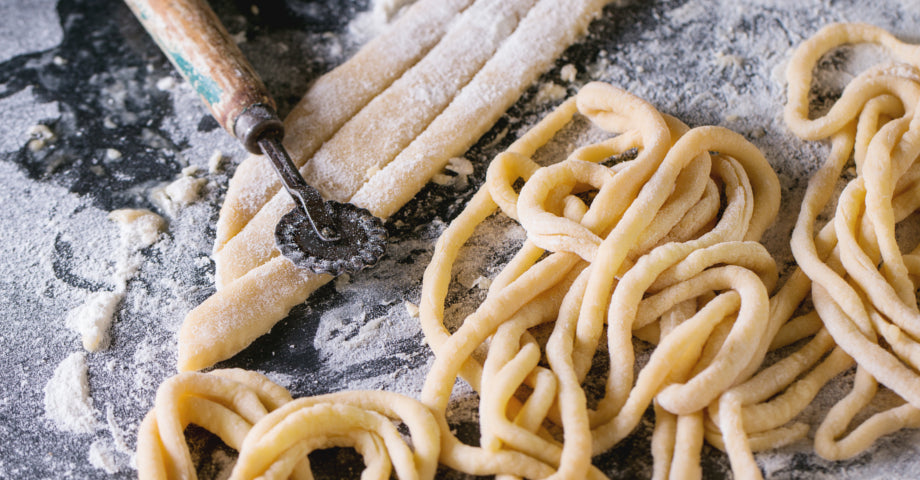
303, 194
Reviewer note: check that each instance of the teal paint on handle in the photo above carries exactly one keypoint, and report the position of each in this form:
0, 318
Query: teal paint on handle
204, 85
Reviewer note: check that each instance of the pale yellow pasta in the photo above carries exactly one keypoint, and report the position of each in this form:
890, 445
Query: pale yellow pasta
650, 246
663, 247
349, 418
864, 285
274, 433
857, 300
225, 402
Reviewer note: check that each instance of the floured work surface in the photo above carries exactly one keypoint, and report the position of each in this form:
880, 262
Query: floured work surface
123, 129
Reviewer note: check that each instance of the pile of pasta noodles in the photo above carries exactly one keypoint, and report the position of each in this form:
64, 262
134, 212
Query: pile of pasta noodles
663, 247
662, 250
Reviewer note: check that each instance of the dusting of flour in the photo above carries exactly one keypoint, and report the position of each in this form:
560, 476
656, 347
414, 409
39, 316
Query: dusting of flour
67, 400
65, 261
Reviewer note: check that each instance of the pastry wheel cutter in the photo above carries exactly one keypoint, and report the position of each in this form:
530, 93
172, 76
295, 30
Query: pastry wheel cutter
323, 236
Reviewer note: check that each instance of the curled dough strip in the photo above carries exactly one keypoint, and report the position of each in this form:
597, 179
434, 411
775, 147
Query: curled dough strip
274, 433
633, 244
864, 285
852, 260
345, 419
225, 402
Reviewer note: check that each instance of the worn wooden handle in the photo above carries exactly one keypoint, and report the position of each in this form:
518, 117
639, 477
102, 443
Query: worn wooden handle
191, 35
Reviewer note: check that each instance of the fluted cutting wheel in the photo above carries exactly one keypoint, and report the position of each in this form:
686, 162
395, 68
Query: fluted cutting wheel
361, 243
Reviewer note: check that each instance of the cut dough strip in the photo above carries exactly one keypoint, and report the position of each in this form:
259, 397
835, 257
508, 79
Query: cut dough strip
332, 100
517, 64
224, 324
377, 133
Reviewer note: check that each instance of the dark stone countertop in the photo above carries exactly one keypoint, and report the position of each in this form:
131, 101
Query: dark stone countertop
125, 124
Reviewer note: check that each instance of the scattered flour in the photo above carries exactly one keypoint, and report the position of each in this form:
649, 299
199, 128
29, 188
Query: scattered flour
24, 111
743, 87
101, 456
550, 92
138, 229
93, 318
67, 400
42, 18
373, 21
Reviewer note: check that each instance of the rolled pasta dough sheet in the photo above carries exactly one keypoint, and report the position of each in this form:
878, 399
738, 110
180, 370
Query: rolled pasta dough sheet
259, 293
332, 100
383, 128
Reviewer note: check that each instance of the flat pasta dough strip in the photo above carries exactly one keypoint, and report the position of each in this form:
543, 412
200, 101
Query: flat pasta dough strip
332, 100
479, 105
375, 134
226, 322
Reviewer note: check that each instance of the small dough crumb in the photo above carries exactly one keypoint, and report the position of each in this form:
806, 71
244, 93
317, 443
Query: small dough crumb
140, 228
93, 318
40, 136
112, 154
412, 309
166, 83
180, 193
442, 179
215, 162
550, 92
482, 283
461, 167
341, 282
568, 73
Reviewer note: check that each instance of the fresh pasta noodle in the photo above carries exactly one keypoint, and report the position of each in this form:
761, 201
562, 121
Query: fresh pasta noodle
861, 284
274, 433
225, 402
667, 239
864, 283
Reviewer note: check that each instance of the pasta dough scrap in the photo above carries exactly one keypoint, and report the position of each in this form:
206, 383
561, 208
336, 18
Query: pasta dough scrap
331, 101
254, 272
339, 167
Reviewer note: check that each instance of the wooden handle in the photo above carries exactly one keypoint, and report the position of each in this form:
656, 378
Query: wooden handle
191, 35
